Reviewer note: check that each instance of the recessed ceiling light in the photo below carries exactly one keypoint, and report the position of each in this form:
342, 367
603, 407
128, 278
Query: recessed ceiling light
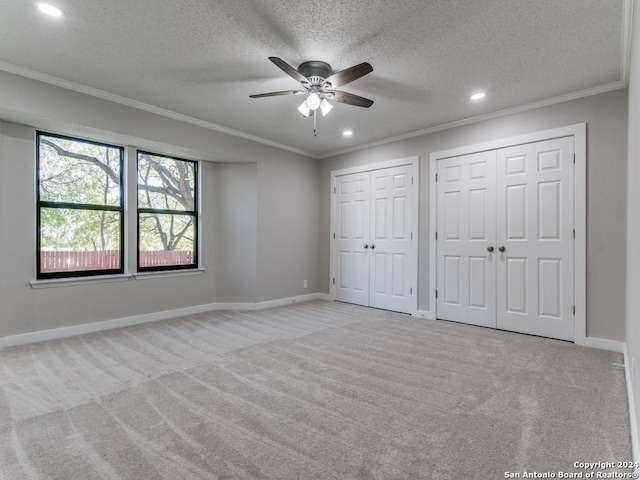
50, 10
347, 133
478, 96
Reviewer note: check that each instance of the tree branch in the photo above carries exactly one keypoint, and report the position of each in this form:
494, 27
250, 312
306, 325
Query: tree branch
176, 186
87, 158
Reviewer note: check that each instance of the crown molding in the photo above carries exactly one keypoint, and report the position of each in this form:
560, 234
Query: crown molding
111, 97
480, 118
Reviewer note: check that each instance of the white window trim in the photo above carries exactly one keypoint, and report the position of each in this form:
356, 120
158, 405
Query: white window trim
98, 279
169, 273
75, 281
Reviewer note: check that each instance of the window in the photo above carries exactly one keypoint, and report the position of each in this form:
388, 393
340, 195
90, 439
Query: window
80, 212
167, 213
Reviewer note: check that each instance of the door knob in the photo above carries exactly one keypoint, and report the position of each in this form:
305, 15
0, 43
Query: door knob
373, 246
365, 246
501, 248
490, 249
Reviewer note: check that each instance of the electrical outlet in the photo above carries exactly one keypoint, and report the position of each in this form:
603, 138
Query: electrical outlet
304, 284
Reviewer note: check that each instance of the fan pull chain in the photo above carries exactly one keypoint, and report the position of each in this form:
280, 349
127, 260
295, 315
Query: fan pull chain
315, 133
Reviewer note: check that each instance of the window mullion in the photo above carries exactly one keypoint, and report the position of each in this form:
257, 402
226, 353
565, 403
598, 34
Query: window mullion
80, 206
167, 212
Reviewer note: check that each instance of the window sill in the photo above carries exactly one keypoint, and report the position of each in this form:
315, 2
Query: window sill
168, 273
75, 281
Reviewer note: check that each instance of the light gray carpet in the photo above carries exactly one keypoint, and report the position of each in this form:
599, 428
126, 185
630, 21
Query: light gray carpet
319, 390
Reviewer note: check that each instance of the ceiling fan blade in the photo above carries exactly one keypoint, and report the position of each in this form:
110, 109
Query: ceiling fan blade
349, 75
288, 69
349, 99
275, 94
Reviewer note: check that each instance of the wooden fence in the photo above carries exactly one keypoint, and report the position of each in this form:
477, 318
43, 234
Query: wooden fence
64, 261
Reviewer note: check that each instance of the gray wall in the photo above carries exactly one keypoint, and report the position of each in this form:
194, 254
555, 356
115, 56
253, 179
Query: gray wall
606, 116
259, 213
633, 218
288, 205
266, 211
235, 227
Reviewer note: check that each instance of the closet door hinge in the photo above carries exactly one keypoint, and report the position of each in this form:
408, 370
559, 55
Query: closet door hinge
436, 293
334, 280
574, 310
410, 291
436, 177
436, 235
334, 189
334, 235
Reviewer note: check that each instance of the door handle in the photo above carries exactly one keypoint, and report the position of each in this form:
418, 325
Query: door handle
501, 248
365, 246
490, 249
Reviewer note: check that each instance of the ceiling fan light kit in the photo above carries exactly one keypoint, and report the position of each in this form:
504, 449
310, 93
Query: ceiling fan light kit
318, 80
325, 107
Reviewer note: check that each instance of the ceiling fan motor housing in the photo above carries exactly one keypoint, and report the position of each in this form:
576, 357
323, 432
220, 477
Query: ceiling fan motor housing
315, 71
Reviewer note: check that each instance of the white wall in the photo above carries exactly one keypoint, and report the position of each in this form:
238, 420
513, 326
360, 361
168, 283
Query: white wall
606, 116
258, 241
633, 220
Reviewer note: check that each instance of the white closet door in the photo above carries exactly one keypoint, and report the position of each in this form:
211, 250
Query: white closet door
535, 228
517, 202
352, 234
466, 253
390, 239
374, 264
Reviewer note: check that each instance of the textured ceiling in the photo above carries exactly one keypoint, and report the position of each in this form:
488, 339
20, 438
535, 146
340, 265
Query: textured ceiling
203, 58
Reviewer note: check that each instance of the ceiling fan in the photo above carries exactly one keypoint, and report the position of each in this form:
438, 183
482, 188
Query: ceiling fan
319, 81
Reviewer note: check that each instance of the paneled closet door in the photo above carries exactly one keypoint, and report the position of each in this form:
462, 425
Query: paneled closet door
466, 249
390, 239
535, 234
352, 238
505, 247
373, 258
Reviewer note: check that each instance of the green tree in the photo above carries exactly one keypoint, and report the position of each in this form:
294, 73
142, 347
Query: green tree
167, 186
74, 172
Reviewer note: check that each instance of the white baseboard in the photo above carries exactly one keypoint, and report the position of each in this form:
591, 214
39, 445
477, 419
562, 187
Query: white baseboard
265, 304
55, 333
633, 421
601, 343
593, 342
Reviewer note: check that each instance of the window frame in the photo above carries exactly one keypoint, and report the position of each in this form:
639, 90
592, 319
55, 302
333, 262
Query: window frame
40, 204
195, 213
